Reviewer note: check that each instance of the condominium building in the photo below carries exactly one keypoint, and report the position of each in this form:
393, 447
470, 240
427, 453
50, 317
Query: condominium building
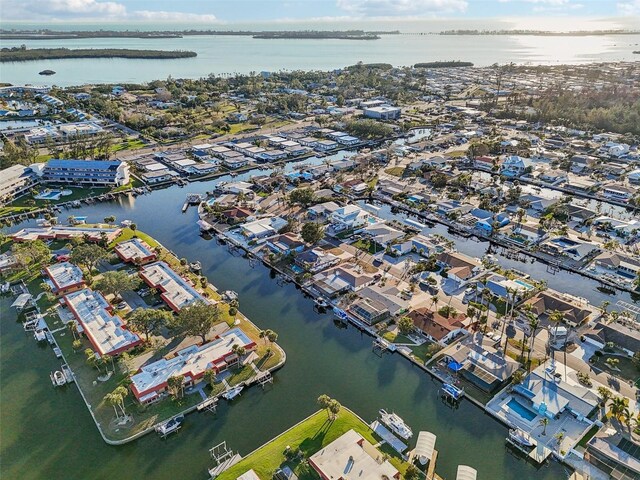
87, 172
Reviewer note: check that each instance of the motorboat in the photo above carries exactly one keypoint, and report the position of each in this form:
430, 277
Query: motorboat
396, 424
40, 335
521, 437
321, 302
170, 426
195, 266
57, 378
452, 391
232, 393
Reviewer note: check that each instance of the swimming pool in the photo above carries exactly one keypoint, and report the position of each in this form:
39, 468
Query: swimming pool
49, 195
520, 410
523, 284
297, 269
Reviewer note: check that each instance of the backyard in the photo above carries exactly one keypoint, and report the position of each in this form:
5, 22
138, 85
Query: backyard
311, 435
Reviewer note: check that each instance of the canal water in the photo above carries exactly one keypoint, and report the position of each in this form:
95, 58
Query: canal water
48, 433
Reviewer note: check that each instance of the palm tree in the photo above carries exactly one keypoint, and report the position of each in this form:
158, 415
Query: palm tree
113, 399
324, 401
544, 422
73, 327
605, 395
434, 301
534, 322
334, 408
618, 407
122, 392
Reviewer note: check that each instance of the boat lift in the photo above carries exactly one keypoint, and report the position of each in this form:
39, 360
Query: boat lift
264, 378
209, 405
223, 458
553, 267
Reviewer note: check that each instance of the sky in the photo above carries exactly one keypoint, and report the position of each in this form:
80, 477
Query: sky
331, 12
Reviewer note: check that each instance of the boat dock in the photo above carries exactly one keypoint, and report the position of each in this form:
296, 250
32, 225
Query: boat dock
224, 458
388, 437
538, 454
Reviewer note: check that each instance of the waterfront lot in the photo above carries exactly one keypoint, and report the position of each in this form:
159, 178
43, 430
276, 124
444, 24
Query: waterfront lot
310, 436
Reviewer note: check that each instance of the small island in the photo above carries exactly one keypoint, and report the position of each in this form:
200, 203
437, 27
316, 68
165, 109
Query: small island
32, 54
47, 72
322, 35
448, 64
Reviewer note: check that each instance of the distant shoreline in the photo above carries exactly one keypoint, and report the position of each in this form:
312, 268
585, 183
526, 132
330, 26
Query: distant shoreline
289, 34
35, 54
541, 33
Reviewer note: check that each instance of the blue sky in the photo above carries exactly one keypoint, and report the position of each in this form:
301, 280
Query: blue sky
234, 11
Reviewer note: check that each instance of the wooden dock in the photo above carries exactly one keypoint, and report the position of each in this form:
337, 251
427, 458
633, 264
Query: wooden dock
538, 454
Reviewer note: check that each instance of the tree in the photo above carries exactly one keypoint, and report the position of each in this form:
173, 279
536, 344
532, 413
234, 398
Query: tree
517, 377
116, 282
334, 408
312, 232
612, 362
605, 394
405, 325
133, 228
88, 255
544, 422
272, 336
618, 407
175, 384
111, 219
114, 400
302, 196
93, 359
323, 402
197, 319
31, 253
149, 321
412, 472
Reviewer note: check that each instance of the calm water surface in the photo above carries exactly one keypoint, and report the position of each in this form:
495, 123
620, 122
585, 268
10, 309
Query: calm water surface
53, 426
236, 54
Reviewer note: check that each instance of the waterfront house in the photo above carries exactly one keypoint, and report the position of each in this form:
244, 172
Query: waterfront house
285, 244
237, 215
572, 248
325, 145
437, 327
618, 192
87, 172
388, 296
105, 331
64, 277
579, 214
16, 181
368, 310
351, 456
500, 287
614, 454
528, 232
151, 382
487, 221
381, 234
553, 176
340, 279
135, 251
486, 163
575, 313
535, 204
263, 227
623, 337
62, 232
315, 260
624, 265
481, 364
322, 210
177, 292
460, 267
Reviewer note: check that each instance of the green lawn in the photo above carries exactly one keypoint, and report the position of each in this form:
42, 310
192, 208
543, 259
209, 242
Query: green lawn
128, 234
626, 369
77, 194
6, 211
368, 246
395, 171
310, 436
128, 145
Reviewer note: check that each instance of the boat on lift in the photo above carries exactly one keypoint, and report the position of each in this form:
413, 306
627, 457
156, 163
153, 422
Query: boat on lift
57, 378
521, 437
452, 391
232, 393
321, 302
396, 424
170, 426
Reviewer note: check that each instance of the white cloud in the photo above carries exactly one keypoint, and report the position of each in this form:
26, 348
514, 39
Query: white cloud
56, 10
631, 7
171, 16
390, 8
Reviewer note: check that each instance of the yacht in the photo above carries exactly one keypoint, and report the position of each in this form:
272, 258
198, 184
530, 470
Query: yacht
57, 378
396, 424
521, 437
232, 393
170, 426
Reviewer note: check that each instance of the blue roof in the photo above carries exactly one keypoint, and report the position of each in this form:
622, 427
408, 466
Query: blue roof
99, 164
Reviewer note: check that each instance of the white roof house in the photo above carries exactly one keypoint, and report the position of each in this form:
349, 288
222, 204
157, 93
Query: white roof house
105, 331
351, 457
64, 275
176, 291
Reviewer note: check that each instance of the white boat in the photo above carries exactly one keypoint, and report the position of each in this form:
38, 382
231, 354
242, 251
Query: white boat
321, 302
40, 335
170, 426
232, 393
195, 266
58, 352
396, 424
57, 378
521, 437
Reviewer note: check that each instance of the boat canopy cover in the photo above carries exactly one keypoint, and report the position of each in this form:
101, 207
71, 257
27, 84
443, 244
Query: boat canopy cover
425, 445
22, 300
455, 366
466, 473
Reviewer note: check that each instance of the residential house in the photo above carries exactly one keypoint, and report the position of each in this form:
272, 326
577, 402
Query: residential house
106, 332
315, 260
617, 192
62, 232
437, 327
381, 234
574, 249
515, 166
285, 244
624, 265
263, 227
340, 279
64, 278
349, 217
528, 232
135, 251
628, 339
151, 382
574, 312
322, 210
487, 221
382, 112
460, 267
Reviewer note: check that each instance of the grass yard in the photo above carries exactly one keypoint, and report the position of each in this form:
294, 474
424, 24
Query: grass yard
395, 171
128, 234
128, 145
6, 211
310, 435
368, 246
626, 368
